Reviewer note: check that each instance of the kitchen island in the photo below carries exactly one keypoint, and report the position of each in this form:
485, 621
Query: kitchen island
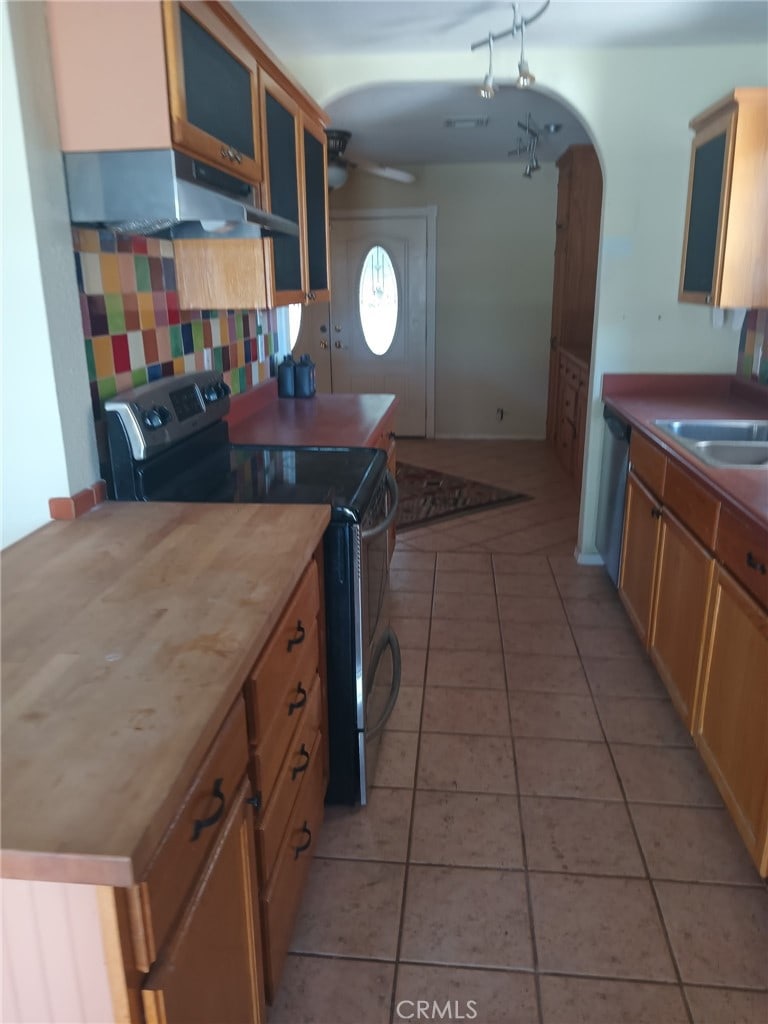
128, 636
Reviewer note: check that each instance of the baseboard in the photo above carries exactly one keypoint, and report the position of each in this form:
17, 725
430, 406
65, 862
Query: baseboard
586, 558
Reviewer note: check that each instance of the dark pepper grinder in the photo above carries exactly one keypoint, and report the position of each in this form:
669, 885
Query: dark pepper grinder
286, 378
305, 377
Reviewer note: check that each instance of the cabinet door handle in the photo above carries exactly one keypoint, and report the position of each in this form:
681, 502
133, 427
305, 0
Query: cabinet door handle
294, 705
302, 767
203, 823
254, 801
298, 850
299, 638
656, 513
753, 563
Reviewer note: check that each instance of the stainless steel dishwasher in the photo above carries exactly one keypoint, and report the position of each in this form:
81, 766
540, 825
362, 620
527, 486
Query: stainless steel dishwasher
613, 487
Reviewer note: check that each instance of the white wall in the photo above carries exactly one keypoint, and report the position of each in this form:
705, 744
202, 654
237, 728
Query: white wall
494, 294
49, 447
636, 103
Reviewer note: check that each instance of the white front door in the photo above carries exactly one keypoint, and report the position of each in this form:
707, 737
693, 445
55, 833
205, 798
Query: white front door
379, 312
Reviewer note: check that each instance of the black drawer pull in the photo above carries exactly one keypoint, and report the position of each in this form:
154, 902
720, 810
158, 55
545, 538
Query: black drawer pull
296, 704
203, 823
303, 767
656, 513
299, 638
753, 563
297, 850
254, 801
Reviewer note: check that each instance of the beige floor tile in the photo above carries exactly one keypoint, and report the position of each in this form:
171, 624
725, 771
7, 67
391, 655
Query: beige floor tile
350, 908
466, 710
639, 720
589, 1001
447, 635
484, 997
546, 674
463, 583
526, 584
406, 716
554, 716
411, 579
522, 565
469, 764
378, 831
537, 638
466, 916
514, 608
405, 604
484, 669
466, 607
566, 565
586, 586
565, 768
665, 775
727, 1006
411, 632
414, 666
396, 763
412, 560
580, 836
599, 642
316, 990
697, 844
599, 613
719, 933
602, 926
455, 562
466, 829
624, 677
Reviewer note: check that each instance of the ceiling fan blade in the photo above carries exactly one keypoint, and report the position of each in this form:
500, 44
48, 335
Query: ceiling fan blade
381, 171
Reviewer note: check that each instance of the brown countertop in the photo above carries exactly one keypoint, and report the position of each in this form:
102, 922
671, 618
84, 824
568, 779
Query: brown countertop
643, 398
126, 637
260, 417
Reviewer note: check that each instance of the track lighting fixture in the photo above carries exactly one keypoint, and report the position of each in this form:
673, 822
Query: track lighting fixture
527, 147
525, 77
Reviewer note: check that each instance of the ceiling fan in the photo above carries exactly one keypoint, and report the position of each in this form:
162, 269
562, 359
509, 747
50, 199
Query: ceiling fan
338, 164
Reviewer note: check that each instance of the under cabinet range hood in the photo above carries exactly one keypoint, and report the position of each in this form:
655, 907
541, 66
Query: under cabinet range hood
166, 193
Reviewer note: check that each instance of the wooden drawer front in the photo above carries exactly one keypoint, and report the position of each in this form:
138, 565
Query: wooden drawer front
743, 548
304, 750
294, 640
649, 463
691, 503
188, 842
569, 403
280, 902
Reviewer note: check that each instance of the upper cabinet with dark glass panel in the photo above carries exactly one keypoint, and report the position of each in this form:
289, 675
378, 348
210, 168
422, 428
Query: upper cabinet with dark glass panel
725, 250
212, 89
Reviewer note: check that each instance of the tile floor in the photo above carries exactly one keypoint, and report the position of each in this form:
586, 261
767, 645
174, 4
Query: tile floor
543, 843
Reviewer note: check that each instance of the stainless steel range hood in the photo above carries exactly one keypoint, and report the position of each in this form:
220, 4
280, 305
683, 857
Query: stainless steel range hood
163, 192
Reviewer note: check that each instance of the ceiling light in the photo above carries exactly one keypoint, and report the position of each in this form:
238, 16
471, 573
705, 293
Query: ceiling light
528, 171
486, 90
551, 128
525, 78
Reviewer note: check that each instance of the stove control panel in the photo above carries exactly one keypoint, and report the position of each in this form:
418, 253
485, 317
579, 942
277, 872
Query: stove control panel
155, 416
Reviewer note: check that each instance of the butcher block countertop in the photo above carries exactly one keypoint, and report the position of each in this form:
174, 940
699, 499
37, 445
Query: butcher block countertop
260, 417
127, 635
642, 398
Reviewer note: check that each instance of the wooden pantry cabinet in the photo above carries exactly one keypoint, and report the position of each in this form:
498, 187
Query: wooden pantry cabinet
693, 582
725, 246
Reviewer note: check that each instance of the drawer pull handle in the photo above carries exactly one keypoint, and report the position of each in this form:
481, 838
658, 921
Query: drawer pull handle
297, 850
302, 767
203, 823
254, 801
656, 513
301, 634
296, 704
753, 563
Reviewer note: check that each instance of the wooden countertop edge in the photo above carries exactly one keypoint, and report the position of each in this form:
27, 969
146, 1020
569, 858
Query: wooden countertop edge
127, 869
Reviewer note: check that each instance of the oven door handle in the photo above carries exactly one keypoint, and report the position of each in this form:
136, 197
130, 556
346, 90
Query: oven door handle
389, 639
389, 518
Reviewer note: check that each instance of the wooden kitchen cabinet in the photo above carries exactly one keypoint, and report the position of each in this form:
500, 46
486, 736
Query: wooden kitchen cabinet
571, 412
730, 726
637, 575
725, 246
295, 188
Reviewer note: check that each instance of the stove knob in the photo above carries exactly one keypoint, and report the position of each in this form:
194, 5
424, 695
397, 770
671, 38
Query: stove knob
156, 417
164, 413
211, 394
223, 389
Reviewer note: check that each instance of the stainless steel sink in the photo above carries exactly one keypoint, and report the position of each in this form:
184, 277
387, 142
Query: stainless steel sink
739, 444
715, 430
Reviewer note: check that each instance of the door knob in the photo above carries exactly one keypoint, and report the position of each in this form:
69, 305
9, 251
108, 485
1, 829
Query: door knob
323, 344
337, 328
337, 344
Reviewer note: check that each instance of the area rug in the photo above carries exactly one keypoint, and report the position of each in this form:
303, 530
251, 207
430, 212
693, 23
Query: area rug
429, 496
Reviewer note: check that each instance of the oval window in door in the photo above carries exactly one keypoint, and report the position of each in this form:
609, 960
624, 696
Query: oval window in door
378, 300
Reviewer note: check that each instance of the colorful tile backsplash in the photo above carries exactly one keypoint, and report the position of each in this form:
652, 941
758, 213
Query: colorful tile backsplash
753, 346
135, 331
